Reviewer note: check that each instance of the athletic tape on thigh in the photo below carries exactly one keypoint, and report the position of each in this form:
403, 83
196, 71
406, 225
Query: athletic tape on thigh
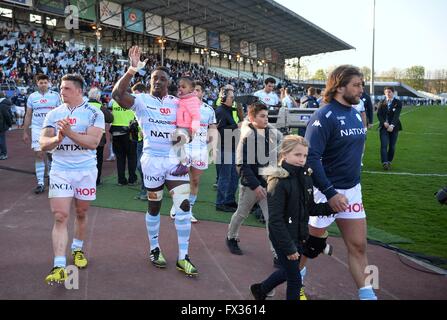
155, 195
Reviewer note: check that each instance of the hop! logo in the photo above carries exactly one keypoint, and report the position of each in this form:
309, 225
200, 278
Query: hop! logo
199, 163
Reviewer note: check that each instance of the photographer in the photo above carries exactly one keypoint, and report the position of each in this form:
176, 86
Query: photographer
124, 146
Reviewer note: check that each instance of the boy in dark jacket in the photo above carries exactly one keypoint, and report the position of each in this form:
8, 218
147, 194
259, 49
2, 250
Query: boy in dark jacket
290, 203
257, 148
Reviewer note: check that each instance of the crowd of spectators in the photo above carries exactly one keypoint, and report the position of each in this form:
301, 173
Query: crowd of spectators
23, 54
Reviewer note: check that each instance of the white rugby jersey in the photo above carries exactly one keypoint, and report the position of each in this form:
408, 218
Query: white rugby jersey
68, 155
360, 107
41, 105
157, 118
207, 118
270, 99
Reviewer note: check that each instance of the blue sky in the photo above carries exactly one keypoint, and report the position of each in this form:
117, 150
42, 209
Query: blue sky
408, 32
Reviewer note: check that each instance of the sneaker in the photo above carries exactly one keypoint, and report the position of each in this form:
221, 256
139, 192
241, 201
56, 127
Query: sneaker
141, 196
57, 275
256, 291
271, 293
172, 212
328, 250
225, 208
193, 219
3, 157
79, 258
233, 245
232, 205
215, 186
386, 166
187, 267
39, 189
302, 294
157, 258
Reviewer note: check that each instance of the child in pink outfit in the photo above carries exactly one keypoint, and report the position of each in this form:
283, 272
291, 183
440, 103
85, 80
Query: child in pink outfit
188, 121
188, 112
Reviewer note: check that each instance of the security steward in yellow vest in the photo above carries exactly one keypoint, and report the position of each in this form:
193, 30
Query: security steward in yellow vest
124, 147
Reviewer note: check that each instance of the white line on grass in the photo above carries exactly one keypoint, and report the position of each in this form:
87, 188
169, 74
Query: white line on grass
402, 114
425, 133
408, 174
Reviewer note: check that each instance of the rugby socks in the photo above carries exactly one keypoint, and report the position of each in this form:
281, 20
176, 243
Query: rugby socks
77, 244
192, 200
40, 172
367, 293
60, 261
153, 229
183, 227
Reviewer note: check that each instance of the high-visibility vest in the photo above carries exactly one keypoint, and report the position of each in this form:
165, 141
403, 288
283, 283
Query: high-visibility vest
233, 110
97, 105
121, 116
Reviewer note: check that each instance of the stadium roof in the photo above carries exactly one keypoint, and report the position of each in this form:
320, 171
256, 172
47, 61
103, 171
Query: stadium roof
263, 22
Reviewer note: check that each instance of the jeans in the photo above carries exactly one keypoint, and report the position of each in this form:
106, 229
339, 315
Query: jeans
290, 272
247, 199
3, 149
388, 144
228, 180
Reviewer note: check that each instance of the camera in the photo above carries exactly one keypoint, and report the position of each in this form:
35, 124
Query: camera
441, 195
133, 130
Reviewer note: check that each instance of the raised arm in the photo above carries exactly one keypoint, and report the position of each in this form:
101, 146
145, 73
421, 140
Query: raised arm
120, 90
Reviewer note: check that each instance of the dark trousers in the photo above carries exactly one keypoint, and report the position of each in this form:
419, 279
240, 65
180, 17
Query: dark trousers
139, 154
228, 181
3, 149
217, 172
99, 161
125, 149
388, 144
290, 272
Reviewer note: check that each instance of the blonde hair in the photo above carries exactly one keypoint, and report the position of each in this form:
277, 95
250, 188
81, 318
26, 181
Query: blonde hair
289, 143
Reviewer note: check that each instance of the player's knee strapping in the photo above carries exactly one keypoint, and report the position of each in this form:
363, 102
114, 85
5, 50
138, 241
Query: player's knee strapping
180, 198
154, 204
316, 245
